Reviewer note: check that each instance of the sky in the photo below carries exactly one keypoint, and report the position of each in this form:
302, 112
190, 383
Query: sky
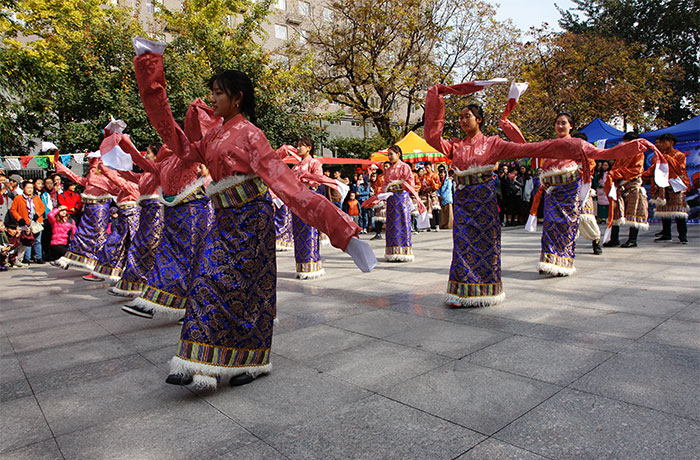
528, 13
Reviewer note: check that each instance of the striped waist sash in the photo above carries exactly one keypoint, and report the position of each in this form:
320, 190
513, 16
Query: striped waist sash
239, 194
474, 179
560, 179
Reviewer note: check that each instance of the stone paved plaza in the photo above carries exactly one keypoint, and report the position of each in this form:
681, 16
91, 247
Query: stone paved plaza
601, 365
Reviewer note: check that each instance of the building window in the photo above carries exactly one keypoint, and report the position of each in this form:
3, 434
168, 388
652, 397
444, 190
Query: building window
356, 122
281, 5
149, 6
281, 31
304, 8
327, 14
304, 36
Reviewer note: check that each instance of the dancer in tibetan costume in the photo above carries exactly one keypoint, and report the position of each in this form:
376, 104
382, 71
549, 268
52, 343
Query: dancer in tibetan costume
307, 244
670, 201
475, 273
187, 216
284, 236
588, 224
91, 235
115, 250
141, 256
630, 206
231, 302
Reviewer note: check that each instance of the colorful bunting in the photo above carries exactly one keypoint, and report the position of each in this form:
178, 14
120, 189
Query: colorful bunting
25, 160
65, 159
42, 162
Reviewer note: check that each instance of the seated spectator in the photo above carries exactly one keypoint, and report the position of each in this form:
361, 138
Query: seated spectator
63, 230
13, 251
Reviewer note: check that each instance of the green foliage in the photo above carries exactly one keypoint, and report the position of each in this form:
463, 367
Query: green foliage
668, 30
353, 147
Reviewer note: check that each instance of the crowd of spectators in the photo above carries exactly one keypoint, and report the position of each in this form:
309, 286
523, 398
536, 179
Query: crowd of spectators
38, 218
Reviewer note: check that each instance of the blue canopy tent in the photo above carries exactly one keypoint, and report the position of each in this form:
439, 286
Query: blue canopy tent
598, 129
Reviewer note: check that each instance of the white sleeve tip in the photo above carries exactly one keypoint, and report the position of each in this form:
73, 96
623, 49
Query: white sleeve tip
143, 46
362, 254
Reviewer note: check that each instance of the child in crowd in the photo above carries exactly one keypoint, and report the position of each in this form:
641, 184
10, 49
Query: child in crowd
352, 207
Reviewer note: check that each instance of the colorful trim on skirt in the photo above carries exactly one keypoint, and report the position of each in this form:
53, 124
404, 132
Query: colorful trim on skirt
90, 236
283, 229
232, 300
674, 207
398, 228
475, 272
185, 227
632, 206
306, 250
114, 252
142, 251
559, 228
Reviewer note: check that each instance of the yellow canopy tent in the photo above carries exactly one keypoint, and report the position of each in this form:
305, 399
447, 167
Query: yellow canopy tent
415, 150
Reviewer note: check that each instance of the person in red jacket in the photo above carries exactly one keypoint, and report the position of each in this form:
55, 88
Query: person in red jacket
70, 199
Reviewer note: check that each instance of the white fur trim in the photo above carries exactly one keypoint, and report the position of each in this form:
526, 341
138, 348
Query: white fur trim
478, 301
325, 243
399, 257
658, 201
183, 366
475, 170
202, 382
555, 270
642, 227
670, 214
588, 227
121, 292
127, 203
380, 219
228, 182
276, 322
64, 262
110, 278
184, 193
174, 313
558, 172
281, 248
99, 197
620, 221
311, 275
143, 198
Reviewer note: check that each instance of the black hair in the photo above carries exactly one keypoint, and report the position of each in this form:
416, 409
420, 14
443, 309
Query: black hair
396, 149
307, 142
27, 182
233, 82
668, 137
11, 225
630, 136
580, 135
478, 112
154, 147
568, 116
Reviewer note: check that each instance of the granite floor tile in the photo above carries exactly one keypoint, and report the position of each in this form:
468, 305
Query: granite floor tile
574, 425
57, 336
375, 428
312, 342
182, 429
581, 339
678, 333
48, 320
287, 397
380, 323
647, 379
43, 450
497, 450
378, 364
447, 338
21, 424
551, 362
478, 398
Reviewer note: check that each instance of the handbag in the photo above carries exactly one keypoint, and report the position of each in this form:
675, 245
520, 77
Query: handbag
36, 227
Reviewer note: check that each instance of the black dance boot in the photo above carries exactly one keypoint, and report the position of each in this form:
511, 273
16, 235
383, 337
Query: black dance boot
614, 237
682, 226
597, 250
666, 232
632, 239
